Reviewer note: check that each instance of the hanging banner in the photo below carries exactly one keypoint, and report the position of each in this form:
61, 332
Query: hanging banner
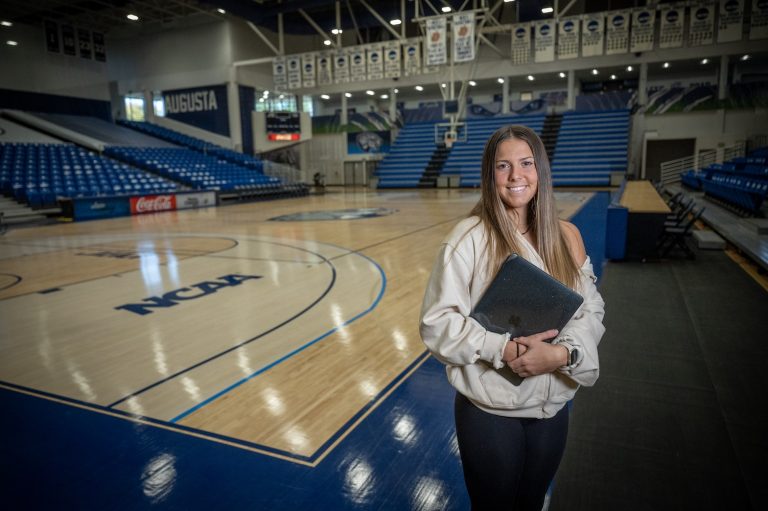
293, 63
68, 42
436, 48
99, 49
568, 38
308, 70
642, 30
84, 43
341, 67
521, 43
592, 30
672, 22
758, 28
280, 74
411, 58
357, 64
375, 58
392, 60
701, 27
731, 20
617, 33
544, 41
52, 42
464, 37
324, 68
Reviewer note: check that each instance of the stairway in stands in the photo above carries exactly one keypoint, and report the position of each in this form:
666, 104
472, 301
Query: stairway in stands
549, 133
434, 167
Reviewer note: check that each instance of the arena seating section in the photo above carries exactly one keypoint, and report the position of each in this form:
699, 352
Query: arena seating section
195, 170
741, 184
38, 174
590, 147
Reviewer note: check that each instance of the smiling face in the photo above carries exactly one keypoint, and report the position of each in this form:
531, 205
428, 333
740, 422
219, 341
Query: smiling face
516, 177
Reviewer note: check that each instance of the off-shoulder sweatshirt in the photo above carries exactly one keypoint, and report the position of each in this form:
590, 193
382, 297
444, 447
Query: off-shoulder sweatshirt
472, 354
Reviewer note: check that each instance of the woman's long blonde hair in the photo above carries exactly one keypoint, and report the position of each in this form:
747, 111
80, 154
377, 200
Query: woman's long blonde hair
542, 213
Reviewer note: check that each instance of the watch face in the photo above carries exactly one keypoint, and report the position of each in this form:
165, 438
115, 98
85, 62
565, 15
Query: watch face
574, 356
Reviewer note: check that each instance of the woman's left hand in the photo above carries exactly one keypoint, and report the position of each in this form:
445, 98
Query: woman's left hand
540, 357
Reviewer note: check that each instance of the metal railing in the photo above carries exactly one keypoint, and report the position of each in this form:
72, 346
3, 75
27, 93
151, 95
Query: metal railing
285, 173
671, 170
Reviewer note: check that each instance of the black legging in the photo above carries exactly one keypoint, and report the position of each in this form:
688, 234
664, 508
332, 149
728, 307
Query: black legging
508, 462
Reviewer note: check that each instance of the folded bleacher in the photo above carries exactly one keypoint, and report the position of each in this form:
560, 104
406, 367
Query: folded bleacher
41, 174
466, 156
590, 146
196, 170
408, 157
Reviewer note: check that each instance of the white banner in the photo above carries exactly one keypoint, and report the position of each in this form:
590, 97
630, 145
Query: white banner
375, 62
293, 63
436, 50
464, 37
568, 38
411, 58
642, 30
308, 70
280, 73
521, 43
544, 41
672, 23
592, 30
617, 32
731, 21
195, 200
341, 66
392, 60
758, 28
356, 63
324, 68
701, 28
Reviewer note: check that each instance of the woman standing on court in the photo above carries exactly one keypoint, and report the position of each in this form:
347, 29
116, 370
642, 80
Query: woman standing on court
511, 437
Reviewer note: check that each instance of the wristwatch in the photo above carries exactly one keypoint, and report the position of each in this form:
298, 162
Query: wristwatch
573, 356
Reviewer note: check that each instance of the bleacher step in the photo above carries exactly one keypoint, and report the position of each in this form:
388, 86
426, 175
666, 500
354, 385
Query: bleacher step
708, 240
758, 225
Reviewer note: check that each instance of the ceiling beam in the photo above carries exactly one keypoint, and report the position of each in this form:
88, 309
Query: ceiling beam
383, 22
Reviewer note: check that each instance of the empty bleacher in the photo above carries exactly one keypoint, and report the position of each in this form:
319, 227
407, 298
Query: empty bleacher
408, 158
465, 157
180, 139
196, 170
590, 146
740, 184
41, 174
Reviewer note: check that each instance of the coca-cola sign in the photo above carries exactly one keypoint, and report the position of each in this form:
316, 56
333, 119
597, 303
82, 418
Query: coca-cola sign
152, 204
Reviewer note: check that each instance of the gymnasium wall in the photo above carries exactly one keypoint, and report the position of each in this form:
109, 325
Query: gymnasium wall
29, 67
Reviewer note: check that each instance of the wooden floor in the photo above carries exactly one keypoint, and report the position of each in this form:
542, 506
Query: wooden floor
273, 336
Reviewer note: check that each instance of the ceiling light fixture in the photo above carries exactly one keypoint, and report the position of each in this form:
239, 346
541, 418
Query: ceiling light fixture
370, 92
325, 96
595, 71
500, 80
419, 88
562, 75
221, 11
472, 83
327, 42
613, 77
445, 8
665, 65
6, 23
132, 17
336, 31
395, 22
745, 57
384, 96
629, 68
531, 78
11, 43
348, 94
547, 10
704, 61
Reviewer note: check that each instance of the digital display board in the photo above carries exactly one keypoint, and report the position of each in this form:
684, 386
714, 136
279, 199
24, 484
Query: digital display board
283, 126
